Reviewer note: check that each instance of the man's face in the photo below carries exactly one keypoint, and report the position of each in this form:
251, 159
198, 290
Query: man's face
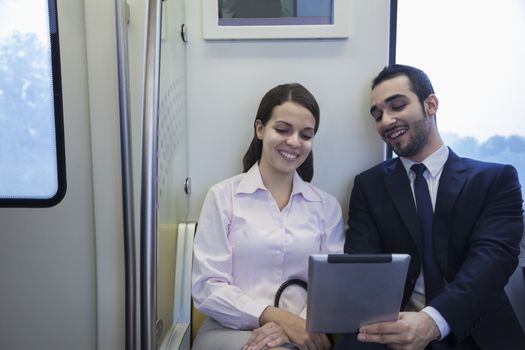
400, 118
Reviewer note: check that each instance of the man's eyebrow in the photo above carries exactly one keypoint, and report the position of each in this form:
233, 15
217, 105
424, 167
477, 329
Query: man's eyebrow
387, 100
394, 97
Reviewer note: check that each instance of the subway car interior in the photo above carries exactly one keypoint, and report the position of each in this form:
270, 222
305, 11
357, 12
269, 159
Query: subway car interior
116, 118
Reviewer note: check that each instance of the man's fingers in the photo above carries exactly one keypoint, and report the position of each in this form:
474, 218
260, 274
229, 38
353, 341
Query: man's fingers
382, 328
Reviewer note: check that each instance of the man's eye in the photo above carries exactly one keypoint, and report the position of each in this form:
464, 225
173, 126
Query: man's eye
398, 107
377, 115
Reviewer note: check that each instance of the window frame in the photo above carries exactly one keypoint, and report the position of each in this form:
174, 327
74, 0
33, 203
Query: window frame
59, 124
211, 30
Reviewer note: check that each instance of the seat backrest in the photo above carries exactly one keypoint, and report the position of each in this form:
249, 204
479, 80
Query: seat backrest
183, 269
179, 335
516, 286
515, 290
183, 305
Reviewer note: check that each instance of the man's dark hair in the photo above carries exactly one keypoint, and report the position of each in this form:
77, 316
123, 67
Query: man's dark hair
419, 82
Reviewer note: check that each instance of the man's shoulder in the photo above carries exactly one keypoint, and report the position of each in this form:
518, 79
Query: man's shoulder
380, 168
475, 165
372, 177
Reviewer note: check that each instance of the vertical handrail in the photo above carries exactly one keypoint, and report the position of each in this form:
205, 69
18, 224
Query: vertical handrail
392, 55
148, 212
130, 259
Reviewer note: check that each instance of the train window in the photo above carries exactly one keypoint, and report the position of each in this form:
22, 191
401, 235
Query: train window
289, 19
473, 52
31, 125
285, 12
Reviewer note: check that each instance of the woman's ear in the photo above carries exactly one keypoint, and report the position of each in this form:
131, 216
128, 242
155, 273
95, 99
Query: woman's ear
259, 129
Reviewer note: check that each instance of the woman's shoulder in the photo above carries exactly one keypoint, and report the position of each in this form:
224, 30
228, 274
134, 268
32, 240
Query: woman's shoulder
228, 184
331, 208
322, 194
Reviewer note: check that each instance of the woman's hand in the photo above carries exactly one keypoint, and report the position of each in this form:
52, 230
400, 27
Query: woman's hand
269, 335
295, 328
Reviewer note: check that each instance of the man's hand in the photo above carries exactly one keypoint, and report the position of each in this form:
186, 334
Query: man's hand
412, 331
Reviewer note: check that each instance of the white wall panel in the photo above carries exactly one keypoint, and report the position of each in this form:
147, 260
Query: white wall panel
106, 168
226, 80
47, 256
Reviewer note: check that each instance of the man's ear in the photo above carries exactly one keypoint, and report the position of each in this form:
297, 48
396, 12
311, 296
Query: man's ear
259, 129
431, 104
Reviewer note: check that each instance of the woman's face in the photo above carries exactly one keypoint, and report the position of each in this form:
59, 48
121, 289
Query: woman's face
287, 138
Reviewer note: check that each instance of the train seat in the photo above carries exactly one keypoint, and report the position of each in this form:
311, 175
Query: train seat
515, 290
179, 335
187, 319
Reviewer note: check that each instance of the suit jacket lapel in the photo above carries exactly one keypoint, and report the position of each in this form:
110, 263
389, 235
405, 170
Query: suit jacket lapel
398, 186
452, 180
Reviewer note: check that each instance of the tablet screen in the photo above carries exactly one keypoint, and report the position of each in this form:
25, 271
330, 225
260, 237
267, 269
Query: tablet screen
348, 291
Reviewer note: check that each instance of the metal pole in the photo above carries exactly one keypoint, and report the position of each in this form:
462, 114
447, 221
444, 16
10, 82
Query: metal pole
130, 264
148, 212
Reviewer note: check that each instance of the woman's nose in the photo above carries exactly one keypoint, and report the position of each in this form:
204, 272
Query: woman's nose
293, 140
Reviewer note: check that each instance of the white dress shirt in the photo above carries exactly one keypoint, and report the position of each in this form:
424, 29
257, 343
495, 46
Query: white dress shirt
245, 247
434, 164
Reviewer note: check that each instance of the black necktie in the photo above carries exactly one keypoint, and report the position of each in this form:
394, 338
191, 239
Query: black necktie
433, 278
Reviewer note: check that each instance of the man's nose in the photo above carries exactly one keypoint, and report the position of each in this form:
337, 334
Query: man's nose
388, 118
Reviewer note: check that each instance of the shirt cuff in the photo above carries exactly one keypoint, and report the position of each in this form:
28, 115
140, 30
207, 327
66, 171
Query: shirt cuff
303, 313
442, 325
252, 312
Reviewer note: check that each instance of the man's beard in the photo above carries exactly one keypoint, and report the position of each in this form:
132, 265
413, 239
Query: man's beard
420, 131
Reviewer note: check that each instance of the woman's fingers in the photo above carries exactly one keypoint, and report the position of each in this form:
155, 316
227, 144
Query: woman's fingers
268, 335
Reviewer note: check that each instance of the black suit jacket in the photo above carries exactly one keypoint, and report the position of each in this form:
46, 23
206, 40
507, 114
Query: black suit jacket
478, 225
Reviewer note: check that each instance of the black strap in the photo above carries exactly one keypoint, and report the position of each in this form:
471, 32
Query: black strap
286, 284
298, 282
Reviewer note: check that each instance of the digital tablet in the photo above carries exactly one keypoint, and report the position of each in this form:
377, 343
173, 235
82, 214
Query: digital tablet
346, 291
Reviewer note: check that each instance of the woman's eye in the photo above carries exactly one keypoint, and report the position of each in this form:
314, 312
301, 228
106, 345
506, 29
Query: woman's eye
281, 130
307, 136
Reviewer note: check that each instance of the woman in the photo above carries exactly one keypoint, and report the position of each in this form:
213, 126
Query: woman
257, 229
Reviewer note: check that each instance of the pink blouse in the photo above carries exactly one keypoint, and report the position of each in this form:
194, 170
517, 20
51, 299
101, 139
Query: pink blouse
245, 247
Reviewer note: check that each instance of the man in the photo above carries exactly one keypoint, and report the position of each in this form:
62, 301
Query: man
454, 296
522, 258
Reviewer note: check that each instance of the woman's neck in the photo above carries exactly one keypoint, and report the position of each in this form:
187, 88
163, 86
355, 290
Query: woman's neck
279, 184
